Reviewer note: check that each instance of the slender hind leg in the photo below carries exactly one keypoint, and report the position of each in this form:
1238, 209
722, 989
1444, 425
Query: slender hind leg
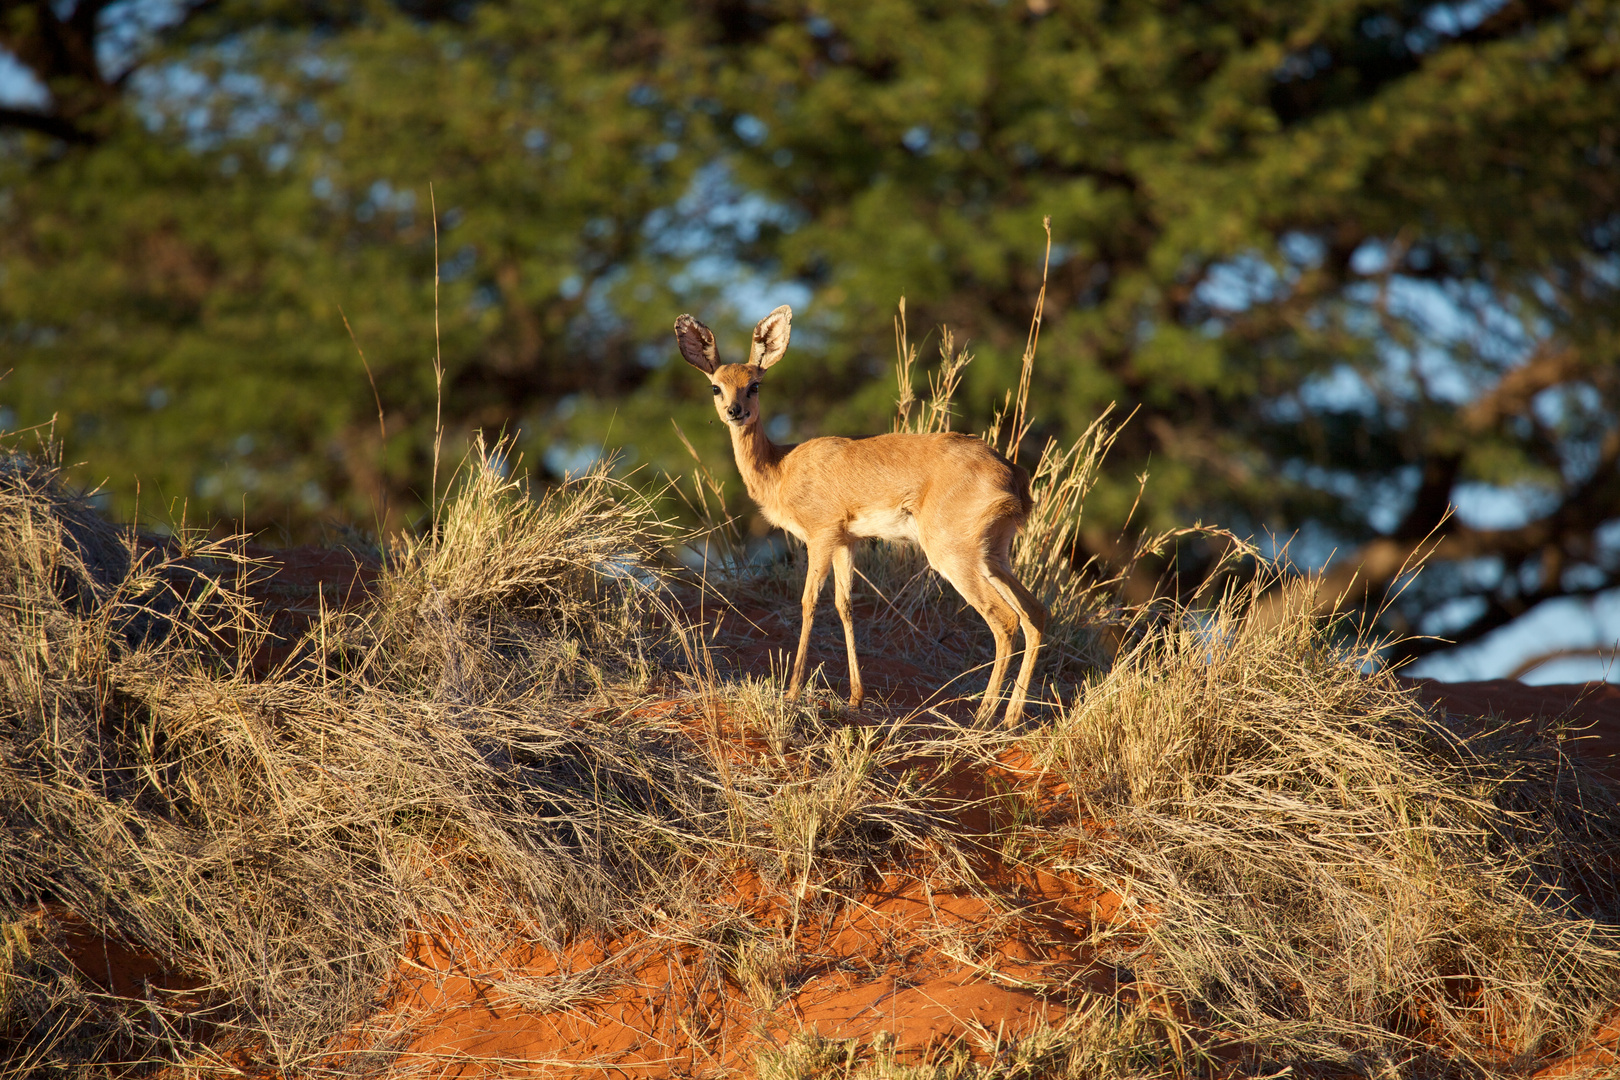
1002, 619
998, 668
843, 561
815, 576
1032, 616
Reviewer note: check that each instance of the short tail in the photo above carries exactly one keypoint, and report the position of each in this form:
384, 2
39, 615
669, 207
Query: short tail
1025, 503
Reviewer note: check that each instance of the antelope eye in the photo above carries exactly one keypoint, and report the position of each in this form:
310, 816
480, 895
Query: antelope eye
716, 390
753, 389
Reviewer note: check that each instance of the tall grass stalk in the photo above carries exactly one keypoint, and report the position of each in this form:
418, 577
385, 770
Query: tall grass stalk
1046, 551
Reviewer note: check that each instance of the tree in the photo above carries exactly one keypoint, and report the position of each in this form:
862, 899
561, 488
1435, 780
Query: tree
177, 278
1351, 264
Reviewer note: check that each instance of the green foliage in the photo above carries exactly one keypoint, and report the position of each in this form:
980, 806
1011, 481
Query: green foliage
1298, 237
177, 294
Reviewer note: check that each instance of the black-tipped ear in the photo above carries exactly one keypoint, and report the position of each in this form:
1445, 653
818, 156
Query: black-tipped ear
771, 337
697, 344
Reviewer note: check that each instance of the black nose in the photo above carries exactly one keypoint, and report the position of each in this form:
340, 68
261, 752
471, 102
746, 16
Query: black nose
735, 412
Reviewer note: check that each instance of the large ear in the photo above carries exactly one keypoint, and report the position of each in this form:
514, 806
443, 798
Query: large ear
697, 344
771, 337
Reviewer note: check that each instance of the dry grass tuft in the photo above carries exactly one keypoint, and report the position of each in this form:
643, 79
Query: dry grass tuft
465, 749
1329, 870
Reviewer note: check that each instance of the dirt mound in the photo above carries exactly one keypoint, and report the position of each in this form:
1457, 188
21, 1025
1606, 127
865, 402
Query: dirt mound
918, 963
651, 1004
969, 953
1591, 711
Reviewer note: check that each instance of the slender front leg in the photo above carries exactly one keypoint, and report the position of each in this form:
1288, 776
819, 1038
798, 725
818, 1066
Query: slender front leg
843, 586
820, 559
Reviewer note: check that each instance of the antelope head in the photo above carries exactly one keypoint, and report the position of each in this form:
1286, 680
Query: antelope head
736, 386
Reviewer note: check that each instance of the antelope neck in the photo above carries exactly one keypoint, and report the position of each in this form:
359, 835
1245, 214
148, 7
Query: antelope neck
758, 459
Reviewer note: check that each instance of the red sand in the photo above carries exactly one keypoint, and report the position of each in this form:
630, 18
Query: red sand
868, 963
295, 584
1594, 709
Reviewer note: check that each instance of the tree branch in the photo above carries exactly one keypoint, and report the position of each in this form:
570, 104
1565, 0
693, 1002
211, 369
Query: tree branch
44, 124
1370, 571
1548, 367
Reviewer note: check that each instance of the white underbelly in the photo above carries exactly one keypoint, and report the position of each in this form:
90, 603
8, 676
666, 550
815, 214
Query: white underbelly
885, 524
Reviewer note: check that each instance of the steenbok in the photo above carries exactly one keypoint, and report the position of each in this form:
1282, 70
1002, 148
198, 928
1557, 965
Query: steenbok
950, 494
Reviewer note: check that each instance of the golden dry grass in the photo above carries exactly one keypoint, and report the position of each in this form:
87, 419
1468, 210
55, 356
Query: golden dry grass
1324, 877
465, 746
